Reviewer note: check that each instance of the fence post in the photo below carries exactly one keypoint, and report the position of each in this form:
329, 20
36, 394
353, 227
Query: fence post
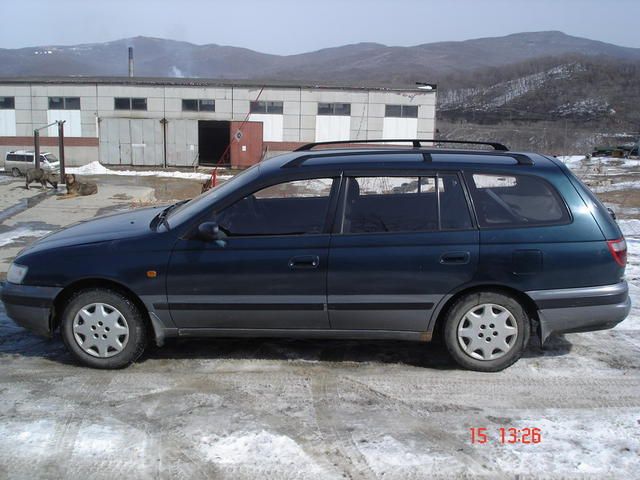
36, 147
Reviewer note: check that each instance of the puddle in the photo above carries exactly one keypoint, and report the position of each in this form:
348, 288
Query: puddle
24, 204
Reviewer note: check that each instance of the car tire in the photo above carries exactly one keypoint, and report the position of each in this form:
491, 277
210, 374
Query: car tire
103, 328
15, 172
486, 331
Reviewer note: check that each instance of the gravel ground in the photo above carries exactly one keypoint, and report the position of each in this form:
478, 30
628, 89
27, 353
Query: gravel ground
235, 409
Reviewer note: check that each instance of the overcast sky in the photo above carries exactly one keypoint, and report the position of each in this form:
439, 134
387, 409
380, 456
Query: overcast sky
289, 26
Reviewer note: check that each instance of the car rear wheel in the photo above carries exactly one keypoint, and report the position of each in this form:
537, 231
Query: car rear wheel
486, 331
103, 328
15, 172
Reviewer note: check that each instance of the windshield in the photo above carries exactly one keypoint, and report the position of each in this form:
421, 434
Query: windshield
193, 206
50, 158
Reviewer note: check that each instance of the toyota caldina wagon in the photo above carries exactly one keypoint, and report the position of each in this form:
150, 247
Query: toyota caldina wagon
482, 247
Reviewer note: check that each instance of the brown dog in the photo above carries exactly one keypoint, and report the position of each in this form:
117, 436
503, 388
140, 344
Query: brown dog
77, 187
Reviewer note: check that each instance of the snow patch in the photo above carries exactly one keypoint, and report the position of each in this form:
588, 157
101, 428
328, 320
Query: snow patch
585, 442
386, 452
101, 440
631, 185
12, 236
570, 160
631, 230
96, 168
245, 447
630, 227
32, 439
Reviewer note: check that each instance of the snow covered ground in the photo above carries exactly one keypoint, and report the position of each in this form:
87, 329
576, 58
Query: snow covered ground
12, 236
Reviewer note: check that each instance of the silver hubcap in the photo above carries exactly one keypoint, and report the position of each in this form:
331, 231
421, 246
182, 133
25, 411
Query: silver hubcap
487, 332
100, 330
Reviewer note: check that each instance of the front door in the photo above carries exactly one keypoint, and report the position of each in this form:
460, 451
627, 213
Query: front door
403, 244
269, 273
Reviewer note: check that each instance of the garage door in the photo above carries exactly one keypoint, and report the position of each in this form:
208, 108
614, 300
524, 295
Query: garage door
126, 141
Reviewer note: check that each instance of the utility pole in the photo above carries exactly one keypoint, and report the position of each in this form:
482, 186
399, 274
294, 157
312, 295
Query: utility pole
61, 150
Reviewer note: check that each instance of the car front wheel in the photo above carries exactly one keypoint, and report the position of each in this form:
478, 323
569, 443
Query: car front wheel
486, 331
103, 328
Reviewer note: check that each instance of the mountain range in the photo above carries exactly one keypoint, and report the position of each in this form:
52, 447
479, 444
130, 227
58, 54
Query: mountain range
526, 77
380, 64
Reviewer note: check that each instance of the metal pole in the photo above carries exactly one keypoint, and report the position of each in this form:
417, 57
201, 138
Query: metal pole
130, 61
61, 150
164, 122
36, 147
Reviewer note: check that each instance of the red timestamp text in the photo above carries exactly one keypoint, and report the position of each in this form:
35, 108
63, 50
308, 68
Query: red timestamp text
506, 435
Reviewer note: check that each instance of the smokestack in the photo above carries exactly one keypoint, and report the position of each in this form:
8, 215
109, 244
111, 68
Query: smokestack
131, 61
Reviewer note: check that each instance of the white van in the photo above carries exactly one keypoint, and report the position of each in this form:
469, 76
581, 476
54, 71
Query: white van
20, 161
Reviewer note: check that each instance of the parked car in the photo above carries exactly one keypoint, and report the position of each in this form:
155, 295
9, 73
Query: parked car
481, 247
19, 161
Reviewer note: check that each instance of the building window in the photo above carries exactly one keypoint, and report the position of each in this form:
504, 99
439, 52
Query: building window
334, 109
64, 103
7, 103
122, 103
266, 107
207, 105
138, 104
401, 111
193, 105
130, 103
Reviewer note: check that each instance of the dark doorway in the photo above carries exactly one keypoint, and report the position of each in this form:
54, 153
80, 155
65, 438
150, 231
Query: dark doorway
213, 140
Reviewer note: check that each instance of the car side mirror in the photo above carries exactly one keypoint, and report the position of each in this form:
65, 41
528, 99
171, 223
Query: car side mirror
210, 231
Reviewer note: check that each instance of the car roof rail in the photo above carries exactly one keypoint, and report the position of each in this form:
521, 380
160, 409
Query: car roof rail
520, 158
417, 143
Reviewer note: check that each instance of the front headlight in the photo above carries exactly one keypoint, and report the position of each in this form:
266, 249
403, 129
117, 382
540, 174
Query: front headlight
16, 273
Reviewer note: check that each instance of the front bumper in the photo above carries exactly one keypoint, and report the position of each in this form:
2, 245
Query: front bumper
30, 306
581, 309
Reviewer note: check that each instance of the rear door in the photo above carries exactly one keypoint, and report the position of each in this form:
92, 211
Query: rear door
401, 244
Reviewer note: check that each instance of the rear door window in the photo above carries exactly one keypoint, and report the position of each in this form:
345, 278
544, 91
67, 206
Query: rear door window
404, 204
515, 200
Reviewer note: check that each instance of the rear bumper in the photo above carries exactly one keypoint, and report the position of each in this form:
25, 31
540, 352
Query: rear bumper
29, 306
581, 309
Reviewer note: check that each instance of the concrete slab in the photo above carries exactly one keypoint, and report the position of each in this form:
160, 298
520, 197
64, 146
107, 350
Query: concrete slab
27, 215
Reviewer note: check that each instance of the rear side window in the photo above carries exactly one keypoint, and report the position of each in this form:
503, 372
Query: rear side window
404, 204
14, 157
515, 200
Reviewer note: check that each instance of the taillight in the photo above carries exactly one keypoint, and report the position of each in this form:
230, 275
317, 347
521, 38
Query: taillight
618, 249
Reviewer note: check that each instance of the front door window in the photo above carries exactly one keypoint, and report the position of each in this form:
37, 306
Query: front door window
298, 207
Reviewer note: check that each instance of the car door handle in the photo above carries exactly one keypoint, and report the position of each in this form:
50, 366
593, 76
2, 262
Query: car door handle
455, 258
304, 261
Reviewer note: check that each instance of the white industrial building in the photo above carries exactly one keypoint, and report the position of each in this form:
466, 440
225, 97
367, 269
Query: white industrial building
188, 122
